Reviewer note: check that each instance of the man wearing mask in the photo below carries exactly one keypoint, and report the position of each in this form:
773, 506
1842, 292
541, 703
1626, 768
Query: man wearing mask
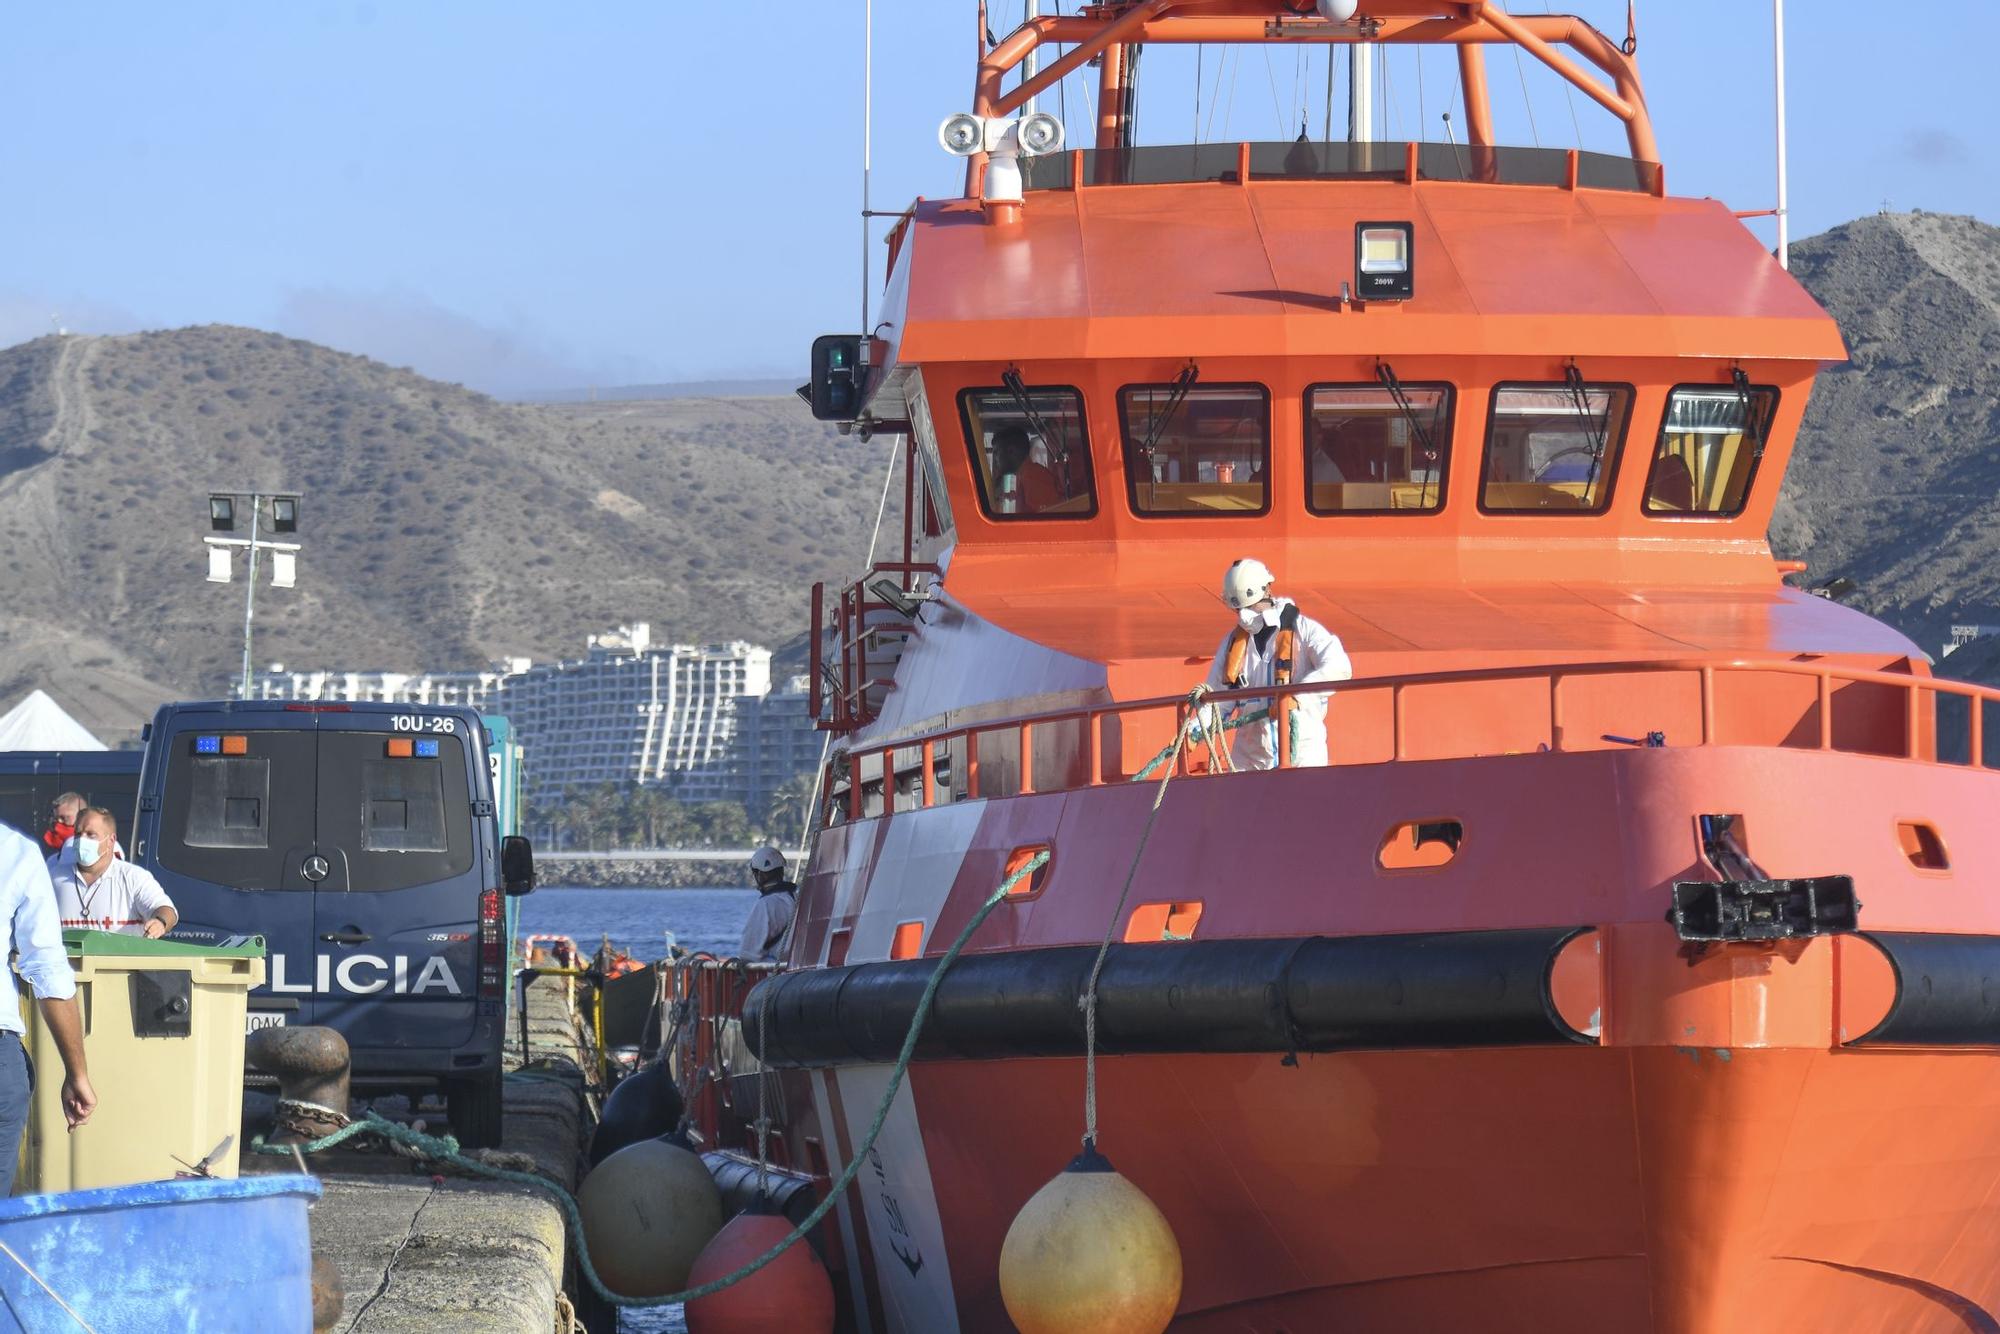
1273, 644
63, 812
98, 891
28, 920
770, 924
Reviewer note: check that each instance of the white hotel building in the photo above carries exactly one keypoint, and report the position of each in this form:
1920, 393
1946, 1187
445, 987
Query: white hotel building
699, 720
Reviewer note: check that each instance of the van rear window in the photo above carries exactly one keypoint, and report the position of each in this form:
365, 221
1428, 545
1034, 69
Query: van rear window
395, 820
245, 821
405, 806
227, 800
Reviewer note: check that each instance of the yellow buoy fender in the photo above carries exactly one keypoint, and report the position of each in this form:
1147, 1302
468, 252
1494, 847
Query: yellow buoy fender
1089, 1251
648, 1210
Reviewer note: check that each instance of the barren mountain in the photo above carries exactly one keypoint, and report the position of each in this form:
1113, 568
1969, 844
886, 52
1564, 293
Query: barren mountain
440, 528
1897, 474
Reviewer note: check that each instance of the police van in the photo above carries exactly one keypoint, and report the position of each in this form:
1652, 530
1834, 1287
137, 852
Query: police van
361, 841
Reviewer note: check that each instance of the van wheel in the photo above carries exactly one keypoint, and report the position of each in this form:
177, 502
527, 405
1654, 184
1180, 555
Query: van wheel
474, 1107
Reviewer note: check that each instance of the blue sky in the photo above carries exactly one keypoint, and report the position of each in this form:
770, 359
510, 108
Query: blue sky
529, 196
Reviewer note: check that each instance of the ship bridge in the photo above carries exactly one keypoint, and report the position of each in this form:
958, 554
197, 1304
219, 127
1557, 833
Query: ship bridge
1474, 403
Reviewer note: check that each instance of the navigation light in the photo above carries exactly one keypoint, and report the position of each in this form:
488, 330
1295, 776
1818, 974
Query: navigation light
427, 748
398, 748
208, 745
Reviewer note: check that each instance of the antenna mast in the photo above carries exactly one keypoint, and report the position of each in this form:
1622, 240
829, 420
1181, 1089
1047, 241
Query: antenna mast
1778, 49
867, 140
1360, 93
1030, 9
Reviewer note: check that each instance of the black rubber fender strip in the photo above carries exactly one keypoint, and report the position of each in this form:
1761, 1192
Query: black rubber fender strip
1947, 990
1311, 994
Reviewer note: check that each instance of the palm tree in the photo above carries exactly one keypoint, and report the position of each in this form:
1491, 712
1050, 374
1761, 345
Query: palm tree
785, 815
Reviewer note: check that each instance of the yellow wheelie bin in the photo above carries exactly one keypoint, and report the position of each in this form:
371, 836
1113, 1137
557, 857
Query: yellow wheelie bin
163, 1028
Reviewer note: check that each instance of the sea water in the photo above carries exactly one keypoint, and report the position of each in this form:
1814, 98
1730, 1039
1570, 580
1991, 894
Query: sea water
639, 921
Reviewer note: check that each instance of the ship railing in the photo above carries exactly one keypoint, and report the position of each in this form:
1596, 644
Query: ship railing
702, 1041
853, 662
1459, 714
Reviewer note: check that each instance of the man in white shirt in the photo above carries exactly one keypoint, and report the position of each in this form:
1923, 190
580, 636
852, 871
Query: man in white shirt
1273, 643
769, 927
95, 889
28, 915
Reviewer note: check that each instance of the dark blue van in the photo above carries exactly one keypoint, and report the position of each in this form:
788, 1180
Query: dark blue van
360, 841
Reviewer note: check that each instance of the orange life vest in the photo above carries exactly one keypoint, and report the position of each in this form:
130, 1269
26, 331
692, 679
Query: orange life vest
1283, 654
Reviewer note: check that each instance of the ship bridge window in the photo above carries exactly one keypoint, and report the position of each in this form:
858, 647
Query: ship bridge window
1553, 447
1030, 453
1368, 453
1710, 443
1197, 449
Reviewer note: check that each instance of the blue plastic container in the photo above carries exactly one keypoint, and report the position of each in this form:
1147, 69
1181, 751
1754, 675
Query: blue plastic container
210, 1255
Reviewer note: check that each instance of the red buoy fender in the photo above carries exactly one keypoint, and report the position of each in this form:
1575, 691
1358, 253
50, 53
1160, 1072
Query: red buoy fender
792, 1293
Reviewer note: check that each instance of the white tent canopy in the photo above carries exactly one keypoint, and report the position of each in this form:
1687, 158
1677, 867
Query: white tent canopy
39, 723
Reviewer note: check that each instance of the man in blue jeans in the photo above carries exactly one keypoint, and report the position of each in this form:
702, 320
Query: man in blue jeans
34, 935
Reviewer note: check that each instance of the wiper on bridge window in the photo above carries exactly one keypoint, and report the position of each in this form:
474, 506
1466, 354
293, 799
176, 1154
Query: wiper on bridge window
1058, 443
1599, 429
1156, 423
1387, 375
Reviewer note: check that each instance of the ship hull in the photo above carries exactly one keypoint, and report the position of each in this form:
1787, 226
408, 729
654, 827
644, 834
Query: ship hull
1534, 1106
1678, 1190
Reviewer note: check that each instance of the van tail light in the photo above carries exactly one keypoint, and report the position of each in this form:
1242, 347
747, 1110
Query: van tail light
490, 944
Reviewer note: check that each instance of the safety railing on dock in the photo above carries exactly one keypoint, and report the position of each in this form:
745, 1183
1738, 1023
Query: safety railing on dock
1784, 703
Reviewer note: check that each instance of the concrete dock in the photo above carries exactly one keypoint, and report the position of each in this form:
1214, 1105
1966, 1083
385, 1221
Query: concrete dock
450, 1253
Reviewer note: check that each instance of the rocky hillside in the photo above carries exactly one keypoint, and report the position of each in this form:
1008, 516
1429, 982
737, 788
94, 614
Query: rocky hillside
1896, 482
440, 527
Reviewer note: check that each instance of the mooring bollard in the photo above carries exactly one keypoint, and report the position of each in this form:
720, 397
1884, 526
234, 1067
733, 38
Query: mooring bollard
312, 1067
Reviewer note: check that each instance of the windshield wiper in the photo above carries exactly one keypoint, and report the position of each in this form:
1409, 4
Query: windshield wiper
1157, 422
1598, 429
1058, 443
1387, 376
1753, 425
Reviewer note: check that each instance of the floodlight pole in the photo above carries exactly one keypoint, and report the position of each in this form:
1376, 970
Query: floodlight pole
256, 544
250, 594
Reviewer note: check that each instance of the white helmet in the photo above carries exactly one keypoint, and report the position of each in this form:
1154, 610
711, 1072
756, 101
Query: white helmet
764, 861
1246, 583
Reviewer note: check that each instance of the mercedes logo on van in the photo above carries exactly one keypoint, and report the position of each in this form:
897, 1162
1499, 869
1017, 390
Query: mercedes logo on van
316, 869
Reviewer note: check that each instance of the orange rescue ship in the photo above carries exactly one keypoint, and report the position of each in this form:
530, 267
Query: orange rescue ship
1623, 969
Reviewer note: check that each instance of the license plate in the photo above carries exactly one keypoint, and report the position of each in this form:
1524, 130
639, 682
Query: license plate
257, 1019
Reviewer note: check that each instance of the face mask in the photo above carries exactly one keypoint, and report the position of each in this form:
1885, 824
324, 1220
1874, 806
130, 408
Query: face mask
87, 851
1250, 619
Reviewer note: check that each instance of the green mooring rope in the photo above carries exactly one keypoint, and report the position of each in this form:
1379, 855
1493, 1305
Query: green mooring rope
1229, 725
445, 1148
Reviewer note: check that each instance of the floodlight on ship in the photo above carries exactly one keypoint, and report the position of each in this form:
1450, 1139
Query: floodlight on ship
1005, 142
1383, 268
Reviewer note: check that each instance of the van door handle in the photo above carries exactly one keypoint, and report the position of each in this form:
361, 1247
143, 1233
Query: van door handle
348, 937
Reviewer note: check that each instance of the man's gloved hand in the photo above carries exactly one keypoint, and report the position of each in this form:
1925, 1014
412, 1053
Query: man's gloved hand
1207, 722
